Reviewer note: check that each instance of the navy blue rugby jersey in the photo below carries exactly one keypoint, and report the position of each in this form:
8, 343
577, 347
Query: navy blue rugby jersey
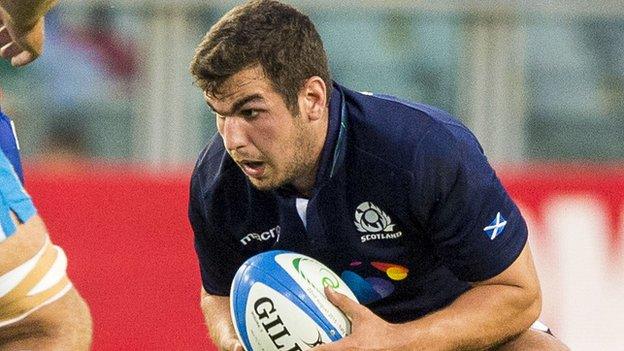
405, 208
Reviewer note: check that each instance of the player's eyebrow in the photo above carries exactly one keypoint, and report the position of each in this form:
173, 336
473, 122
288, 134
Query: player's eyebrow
237, 105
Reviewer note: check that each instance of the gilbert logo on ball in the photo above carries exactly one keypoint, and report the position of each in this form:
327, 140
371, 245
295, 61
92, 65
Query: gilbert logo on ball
277, 303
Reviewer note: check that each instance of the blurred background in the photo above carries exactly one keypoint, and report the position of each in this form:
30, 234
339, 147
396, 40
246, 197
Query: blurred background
110, 110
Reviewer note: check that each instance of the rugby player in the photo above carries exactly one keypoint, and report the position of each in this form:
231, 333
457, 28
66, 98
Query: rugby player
39, 307
368, 184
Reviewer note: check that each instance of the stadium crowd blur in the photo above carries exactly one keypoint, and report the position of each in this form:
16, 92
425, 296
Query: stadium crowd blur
101, 60
537, 85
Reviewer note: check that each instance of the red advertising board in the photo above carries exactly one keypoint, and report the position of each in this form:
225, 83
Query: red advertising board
130, 251
131, 254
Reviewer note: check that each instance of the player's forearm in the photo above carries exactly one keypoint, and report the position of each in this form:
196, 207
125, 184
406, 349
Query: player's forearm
481, 318
25, 13
216, 310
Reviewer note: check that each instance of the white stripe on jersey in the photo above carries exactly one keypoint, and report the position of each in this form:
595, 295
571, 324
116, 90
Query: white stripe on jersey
15, 134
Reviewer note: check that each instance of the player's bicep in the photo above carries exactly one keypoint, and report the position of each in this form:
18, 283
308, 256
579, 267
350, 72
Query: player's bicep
520, 285
521, 273
32, 273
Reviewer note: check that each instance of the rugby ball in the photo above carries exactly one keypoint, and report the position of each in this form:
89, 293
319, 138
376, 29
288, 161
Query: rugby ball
277, 303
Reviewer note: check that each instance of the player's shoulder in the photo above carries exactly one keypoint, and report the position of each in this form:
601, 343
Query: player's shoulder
403, 132
212, 163
6, 129
216, 178
9, 145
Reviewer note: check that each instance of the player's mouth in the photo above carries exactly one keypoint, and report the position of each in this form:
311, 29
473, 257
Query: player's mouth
253, 169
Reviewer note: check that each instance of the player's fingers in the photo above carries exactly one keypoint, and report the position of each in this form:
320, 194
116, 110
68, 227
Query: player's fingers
351, 308
9, 50
332, 346
23, 58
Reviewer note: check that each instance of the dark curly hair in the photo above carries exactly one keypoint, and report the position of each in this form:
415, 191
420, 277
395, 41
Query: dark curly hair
280, 39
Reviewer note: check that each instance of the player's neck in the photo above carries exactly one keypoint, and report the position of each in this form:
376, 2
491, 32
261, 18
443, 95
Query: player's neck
306, 182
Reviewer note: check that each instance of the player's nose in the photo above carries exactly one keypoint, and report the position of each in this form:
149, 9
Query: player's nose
233, 133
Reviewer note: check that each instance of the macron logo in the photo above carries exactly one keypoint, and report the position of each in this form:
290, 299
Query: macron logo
496, 228
272, 234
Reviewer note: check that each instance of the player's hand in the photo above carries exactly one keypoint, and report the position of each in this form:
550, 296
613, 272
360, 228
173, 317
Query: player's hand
20, 44
368, 331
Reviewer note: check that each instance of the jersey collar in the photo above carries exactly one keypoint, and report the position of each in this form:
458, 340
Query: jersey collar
334, 148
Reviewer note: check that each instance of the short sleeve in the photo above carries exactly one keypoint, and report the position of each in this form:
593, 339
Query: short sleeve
9, 145
218, 262
13, 197
475, 227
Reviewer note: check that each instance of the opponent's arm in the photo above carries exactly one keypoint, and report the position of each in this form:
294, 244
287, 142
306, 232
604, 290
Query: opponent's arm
63, 324
22, 30
216, 311
39, 308
490, 313
25, 13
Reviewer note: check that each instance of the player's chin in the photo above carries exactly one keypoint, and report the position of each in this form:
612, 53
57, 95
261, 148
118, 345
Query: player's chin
264, 183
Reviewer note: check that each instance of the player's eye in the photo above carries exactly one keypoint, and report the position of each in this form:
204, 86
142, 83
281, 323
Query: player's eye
249, 113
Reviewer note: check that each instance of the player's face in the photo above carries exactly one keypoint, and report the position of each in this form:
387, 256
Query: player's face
269, 144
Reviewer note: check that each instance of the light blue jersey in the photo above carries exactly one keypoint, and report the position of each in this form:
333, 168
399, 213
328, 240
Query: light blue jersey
13, 197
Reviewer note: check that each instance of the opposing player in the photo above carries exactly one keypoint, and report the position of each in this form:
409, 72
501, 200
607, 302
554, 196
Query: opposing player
395, 196
39, 307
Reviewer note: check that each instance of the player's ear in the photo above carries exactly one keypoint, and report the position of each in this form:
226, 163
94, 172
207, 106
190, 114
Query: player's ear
313, 98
